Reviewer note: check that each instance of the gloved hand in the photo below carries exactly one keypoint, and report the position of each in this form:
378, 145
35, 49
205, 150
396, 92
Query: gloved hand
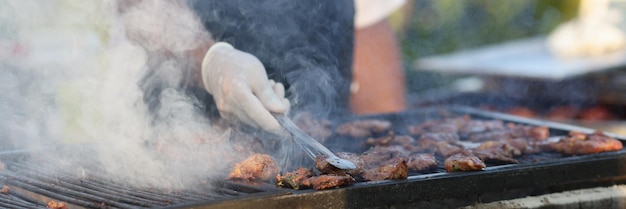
240, 87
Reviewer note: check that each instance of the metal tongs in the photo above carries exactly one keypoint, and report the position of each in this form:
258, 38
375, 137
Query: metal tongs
310, 145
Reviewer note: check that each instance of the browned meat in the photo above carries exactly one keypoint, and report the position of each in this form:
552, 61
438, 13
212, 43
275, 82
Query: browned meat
562, 113
521, 111
446, 149
578, 144
390, 139
5, 189
326, 168
322, 182
258, 167
537, 132
513, 131
354, 158
374, 157
56, 205
506, 146
597, 113
492, 135
395, 168
363, 128
464, 161
446, 137
318, 129
382, 141
494, 155
448, 125
422, 162
294, 179
475, 126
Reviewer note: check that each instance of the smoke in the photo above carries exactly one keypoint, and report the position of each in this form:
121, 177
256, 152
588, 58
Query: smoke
75, 73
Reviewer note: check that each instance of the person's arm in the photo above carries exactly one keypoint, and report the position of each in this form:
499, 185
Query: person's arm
306, 45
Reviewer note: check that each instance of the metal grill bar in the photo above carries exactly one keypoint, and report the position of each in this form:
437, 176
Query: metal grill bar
54, 195
79, 188
112, 188
13, 177
40, 182
14, 202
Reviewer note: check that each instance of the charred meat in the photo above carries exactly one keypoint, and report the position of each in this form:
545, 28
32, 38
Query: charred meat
294, 179
464, 161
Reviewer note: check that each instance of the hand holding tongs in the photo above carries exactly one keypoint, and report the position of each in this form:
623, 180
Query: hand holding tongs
310, 145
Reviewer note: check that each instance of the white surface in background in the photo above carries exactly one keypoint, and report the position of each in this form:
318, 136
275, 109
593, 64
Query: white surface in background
524, 58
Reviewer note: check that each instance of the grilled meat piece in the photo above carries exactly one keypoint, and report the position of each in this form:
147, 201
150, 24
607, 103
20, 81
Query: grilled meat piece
562, 113
395, 168
422, 162
258, 167
580, 144
510, 148
363, 128
448, 125
446, 137
521, 111
537, 132
390, 139
294, 179
494, 155
512, 131
476, 126
318, 129
374, 157
597, 113
326, 168
5, 189
322, 182
464, 161
56, 205
446, 149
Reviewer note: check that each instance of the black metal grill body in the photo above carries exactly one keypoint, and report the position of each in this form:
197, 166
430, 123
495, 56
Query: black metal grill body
543, 174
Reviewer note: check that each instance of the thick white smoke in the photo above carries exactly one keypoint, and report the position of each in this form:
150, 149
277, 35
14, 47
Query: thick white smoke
70, 73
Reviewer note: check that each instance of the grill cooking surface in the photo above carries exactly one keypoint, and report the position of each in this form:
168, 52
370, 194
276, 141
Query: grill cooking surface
33, 185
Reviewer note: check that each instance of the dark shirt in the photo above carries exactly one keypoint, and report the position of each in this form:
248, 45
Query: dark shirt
306, 44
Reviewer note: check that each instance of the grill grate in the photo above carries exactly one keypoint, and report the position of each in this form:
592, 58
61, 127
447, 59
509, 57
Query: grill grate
13, 199
32, 186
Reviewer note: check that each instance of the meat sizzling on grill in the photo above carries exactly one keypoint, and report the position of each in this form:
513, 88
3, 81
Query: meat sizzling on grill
580, 144
294, 179
455, 144
464, 161
258, 167
363, 128
327, 181
56, 205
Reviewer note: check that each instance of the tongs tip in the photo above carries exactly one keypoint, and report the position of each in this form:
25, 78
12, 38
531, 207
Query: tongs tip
341, 163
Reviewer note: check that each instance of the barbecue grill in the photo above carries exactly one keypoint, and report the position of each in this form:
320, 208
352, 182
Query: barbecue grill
32, 185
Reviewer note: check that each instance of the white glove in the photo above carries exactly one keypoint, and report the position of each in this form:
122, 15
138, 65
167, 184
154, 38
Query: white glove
239, 84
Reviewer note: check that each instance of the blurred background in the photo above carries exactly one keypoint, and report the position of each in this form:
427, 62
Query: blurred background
430, 27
